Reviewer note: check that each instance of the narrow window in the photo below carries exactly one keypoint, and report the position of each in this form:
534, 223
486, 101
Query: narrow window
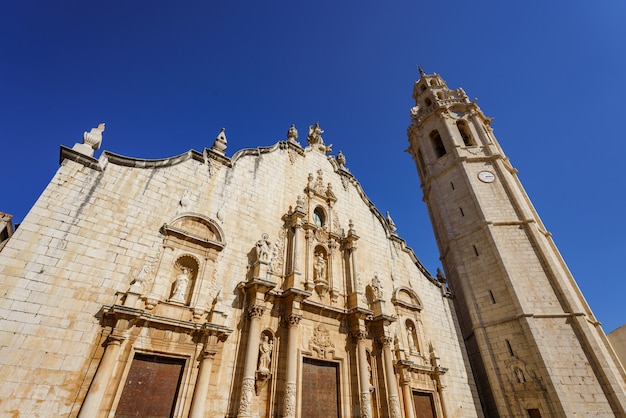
475, 250
508, 345
462, 213
428, 102
493, 299
452, 185
435, 138
466, 134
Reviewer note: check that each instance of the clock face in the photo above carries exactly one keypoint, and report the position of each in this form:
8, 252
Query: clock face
486, 176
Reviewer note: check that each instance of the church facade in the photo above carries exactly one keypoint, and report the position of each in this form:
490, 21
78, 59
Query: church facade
267, 284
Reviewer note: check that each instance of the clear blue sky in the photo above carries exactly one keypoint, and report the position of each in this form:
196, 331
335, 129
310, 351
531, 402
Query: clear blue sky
166, 76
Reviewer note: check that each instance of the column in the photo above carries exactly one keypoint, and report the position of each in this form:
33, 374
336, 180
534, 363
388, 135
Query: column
364, 375
93, 400
247, 386
291, 375
392, 388
408, 398
202, 383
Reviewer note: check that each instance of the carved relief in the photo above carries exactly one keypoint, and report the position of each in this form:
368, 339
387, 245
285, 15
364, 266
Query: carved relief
245, 404
394, 405
366, 406
290, 400
376, 288
279, 252
321, 342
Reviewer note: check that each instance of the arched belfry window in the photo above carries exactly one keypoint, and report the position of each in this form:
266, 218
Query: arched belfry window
438, 146
465, 132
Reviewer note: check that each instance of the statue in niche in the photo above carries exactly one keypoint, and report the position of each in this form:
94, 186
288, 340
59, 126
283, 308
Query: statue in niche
519, 375
263, 249
377, 288
320, 268
182, 282
265, 354
411, 336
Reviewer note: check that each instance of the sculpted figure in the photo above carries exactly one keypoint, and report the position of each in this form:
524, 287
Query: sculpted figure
320, 268
315, 134
182, 281
263, 246
265, 353
377, 287
292, 133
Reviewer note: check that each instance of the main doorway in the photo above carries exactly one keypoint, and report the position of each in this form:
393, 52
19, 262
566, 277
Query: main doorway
320, 389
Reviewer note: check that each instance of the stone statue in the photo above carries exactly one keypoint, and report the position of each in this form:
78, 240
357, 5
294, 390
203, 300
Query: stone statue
265, 354
320, 268
411, 336
341, 159
263, 251
519, 375
315, 134
377, 288
182, 281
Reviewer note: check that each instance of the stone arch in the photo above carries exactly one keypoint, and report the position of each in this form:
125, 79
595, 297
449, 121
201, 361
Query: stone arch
407, 298
194, 225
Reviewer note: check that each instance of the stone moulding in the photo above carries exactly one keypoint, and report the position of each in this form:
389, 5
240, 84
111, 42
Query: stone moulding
72, 155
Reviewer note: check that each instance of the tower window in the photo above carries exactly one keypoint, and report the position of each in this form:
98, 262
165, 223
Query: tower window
452, 185
462, 213
435, 138
493, 299
420, 161
475, 250
465, 132
428, 101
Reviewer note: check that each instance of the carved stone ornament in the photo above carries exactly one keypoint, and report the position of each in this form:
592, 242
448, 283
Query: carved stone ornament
264, 250
256, 311
314, 139
391, 223
91, 141
321, 342
292, 133
290, 400
394, 402
366, 407
293, 320
247, 391
220, 142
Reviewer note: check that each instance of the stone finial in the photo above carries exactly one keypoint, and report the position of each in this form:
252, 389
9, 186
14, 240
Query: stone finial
220, 142
341, 159
292, 133
419, 68
91, 141
391, 223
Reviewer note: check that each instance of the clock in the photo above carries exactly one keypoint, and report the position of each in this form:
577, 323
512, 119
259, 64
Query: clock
486, 176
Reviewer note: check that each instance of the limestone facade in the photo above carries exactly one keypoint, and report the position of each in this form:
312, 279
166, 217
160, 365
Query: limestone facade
534, 344
202, 285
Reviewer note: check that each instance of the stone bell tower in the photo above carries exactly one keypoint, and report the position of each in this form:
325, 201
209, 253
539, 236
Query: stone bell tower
535, 347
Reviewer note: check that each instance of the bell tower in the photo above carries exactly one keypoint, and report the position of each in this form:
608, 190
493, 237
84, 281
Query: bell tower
534, 345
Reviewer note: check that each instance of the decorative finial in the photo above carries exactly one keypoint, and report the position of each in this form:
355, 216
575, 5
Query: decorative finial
220, 142
341, 159
91, 141
419, 68
292, 133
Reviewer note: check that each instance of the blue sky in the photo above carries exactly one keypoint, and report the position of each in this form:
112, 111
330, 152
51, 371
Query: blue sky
165, 78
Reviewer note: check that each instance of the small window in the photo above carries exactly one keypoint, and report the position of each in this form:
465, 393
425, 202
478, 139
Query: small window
423, 87
318, 217
428, 102
466, 134
438, 146
493, 299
